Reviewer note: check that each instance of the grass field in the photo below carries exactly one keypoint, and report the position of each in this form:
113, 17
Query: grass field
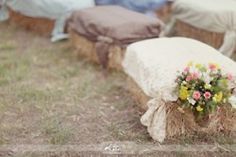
49, 96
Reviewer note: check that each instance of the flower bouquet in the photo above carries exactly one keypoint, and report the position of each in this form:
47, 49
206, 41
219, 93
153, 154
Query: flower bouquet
204, 89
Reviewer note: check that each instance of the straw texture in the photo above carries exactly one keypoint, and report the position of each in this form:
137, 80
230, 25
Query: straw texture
41, 26
211, 38
86, 48
183, 122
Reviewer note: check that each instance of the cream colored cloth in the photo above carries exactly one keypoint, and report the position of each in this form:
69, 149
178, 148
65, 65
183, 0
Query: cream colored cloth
155, 119
210, 15
58, 10
153, 65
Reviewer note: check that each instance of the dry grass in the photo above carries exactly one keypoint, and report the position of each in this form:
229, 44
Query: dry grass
47, 96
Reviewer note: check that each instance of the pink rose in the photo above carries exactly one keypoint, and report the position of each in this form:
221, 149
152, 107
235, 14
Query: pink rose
207, 95
196, 95
189, 78
186, 70
195, 75
230, 77
213, 67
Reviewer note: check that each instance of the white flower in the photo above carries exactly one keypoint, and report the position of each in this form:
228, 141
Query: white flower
232, 101
207, 79
191, 101
193, 69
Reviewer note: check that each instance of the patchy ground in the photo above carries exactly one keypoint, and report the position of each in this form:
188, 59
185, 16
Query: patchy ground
48, 96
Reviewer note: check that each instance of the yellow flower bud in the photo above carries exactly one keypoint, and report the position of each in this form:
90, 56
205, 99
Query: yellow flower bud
198, 66
218, 97
199, 108
190, 64
207, 86
183, 93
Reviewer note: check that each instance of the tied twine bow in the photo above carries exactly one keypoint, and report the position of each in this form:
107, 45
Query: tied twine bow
102, 48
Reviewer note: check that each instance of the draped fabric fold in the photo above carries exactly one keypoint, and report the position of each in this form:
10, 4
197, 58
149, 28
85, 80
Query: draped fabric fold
155, 119
4, 14
102, 48
229, 45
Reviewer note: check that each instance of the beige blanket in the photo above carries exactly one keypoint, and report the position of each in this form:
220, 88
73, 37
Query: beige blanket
210, 15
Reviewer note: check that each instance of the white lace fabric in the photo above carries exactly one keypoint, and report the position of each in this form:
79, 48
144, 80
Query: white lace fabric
153, 64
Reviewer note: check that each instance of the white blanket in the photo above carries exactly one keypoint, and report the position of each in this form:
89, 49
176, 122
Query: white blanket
210, 15
153, 65
57, 10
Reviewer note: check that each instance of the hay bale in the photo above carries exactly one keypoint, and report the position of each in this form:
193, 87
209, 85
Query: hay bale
183, 122
211, 38
86, 48
165, 12
40, 26
137, 94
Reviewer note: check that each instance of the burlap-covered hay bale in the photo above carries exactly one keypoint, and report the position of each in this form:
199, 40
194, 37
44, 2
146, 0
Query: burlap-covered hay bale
105, 29
86, 48
40, 26
183, 122
211, 38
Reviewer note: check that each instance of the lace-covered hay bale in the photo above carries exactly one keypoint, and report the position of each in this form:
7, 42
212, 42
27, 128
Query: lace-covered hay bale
153, 84
41, 26
86, 48
102, 33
